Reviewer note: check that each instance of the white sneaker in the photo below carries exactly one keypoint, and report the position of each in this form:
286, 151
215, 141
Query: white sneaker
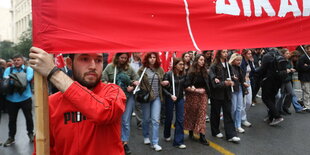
240, 130
219, 135
276, 121
246, 124
234, 139
221, 116
133, 114
147, 141
207, 119
156, 147
182, 146
168, 139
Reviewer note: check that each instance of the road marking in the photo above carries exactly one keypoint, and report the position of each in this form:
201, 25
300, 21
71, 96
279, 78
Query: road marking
212, 144
220, 149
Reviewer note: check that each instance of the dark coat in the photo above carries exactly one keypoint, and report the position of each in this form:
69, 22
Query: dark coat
192, 79
236, 70
179, 85
303, 71
219, 91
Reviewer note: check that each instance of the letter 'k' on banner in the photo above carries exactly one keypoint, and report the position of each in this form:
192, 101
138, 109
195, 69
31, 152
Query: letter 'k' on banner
79, 26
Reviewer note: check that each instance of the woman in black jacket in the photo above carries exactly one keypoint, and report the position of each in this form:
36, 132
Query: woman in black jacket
175, 98
196, 99
221, 90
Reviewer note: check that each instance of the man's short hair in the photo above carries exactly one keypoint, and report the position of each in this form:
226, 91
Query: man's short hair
18, 56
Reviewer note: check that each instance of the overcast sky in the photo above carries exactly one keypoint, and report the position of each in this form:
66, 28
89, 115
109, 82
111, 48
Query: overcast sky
5, 3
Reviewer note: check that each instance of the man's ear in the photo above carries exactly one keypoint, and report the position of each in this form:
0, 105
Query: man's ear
69, 63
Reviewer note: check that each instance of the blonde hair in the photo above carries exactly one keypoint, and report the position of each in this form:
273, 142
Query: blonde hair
234, 57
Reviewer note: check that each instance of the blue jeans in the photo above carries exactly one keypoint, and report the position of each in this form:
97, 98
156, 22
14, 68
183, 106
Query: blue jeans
237, 106
151, 116
246, 103
179, 114
287, 90
126, 118
295, 103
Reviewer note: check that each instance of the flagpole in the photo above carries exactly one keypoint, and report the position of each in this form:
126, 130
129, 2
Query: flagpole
303, 49
229, 76
114, 80
41, 115
173, 84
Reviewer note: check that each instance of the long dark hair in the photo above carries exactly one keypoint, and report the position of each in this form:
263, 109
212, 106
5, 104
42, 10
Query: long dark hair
188, 64
196, 69
217, 59
175, 62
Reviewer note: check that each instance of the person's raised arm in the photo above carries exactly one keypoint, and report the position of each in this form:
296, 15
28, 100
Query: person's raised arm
43, 63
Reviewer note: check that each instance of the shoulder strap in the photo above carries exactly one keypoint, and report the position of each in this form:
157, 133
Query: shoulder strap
25, 69
152, 79
140, 79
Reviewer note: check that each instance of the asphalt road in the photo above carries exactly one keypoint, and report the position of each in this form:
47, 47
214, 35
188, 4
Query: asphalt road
290, 137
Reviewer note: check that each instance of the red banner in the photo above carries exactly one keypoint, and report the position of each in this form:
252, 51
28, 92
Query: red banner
75, 26
59, 61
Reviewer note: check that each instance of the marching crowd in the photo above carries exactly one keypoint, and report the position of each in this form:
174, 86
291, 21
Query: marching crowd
227, 79
230, 79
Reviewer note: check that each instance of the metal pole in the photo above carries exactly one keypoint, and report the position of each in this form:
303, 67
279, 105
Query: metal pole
229, 77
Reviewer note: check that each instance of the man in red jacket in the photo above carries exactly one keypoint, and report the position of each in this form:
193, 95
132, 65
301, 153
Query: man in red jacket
85, 116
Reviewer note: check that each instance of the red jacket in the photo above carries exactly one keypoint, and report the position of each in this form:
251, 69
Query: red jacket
84, 122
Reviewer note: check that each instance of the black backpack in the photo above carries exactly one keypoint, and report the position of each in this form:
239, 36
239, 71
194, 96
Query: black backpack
279, 64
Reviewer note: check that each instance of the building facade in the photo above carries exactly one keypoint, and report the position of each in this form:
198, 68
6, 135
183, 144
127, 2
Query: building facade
21, 13
6, 24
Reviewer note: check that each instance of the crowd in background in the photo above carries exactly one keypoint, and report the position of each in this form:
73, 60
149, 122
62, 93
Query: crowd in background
227, 79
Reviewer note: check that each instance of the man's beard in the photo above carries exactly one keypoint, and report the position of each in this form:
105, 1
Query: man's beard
80, 80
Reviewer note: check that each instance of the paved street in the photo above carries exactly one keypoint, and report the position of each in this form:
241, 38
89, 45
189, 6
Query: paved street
291, 137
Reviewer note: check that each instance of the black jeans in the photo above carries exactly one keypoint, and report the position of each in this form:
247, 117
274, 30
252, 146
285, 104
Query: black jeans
270, 88
255, 84
229, 126
13, 108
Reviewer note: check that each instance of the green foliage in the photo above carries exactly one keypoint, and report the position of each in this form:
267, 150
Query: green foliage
9, 49
6, 50
24, 44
